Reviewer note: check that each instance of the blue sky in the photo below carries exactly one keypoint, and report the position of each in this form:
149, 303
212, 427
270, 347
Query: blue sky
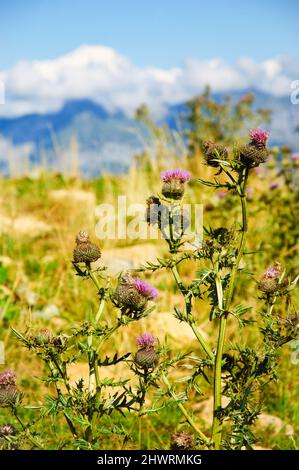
160, 33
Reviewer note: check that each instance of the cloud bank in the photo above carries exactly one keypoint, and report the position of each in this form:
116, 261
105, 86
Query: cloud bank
101, 74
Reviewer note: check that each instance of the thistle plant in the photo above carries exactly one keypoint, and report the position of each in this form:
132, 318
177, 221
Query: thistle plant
238, 372
83, 405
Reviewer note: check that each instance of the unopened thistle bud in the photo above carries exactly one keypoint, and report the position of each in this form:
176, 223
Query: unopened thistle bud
182, 441
8, 388
255, 152
213, 152
173, 183
146, 357
85, 251
132, 294
269, 282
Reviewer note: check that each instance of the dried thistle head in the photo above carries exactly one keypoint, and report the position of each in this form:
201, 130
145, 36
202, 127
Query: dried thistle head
85, 251
182, 441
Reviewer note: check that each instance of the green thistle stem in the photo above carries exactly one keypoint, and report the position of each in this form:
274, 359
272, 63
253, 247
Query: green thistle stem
217, 421
190, 320
184, 411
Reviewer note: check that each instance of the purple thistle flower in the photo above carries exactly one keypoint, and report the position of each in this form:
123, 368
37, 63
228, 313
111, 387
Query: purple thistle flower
147, 340
7, 378
274, 185
145, 289
272, 272
181, 175
258, 136
295, 157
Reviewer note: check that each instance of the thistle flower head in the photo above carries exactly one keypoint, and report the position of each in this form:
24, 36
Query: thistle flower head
181, 175
145, 289
295, 157
147, 340
7, 378
258, 136
182, 441
82, 237
269, 282
213, 152
132, 294
85, 251
273, 271
43, 337
7, 430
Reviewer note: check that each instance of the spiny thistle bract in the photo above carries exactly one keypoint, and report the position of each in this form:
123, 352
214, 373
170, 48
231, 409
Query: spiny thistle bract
173, 183
255, 152
132, 293
146, 357
213, 152
8, 388
85, 251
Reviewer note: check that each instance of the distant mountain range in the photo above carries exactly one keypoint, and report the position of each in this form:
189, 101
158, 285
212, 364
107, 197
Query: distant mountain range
85, 133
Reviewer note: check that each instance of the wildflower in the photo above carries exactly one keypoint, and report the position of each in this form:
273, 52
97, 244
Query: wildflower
146, 357
147, 340
213, 152
182, 441
132, 294
270, 280
145, 289
255, 152
8, 389
85, 251
274, 186
173, 187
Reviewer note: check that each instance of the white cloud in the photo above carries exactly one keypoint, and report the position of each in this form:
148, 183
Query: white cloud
100, 73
